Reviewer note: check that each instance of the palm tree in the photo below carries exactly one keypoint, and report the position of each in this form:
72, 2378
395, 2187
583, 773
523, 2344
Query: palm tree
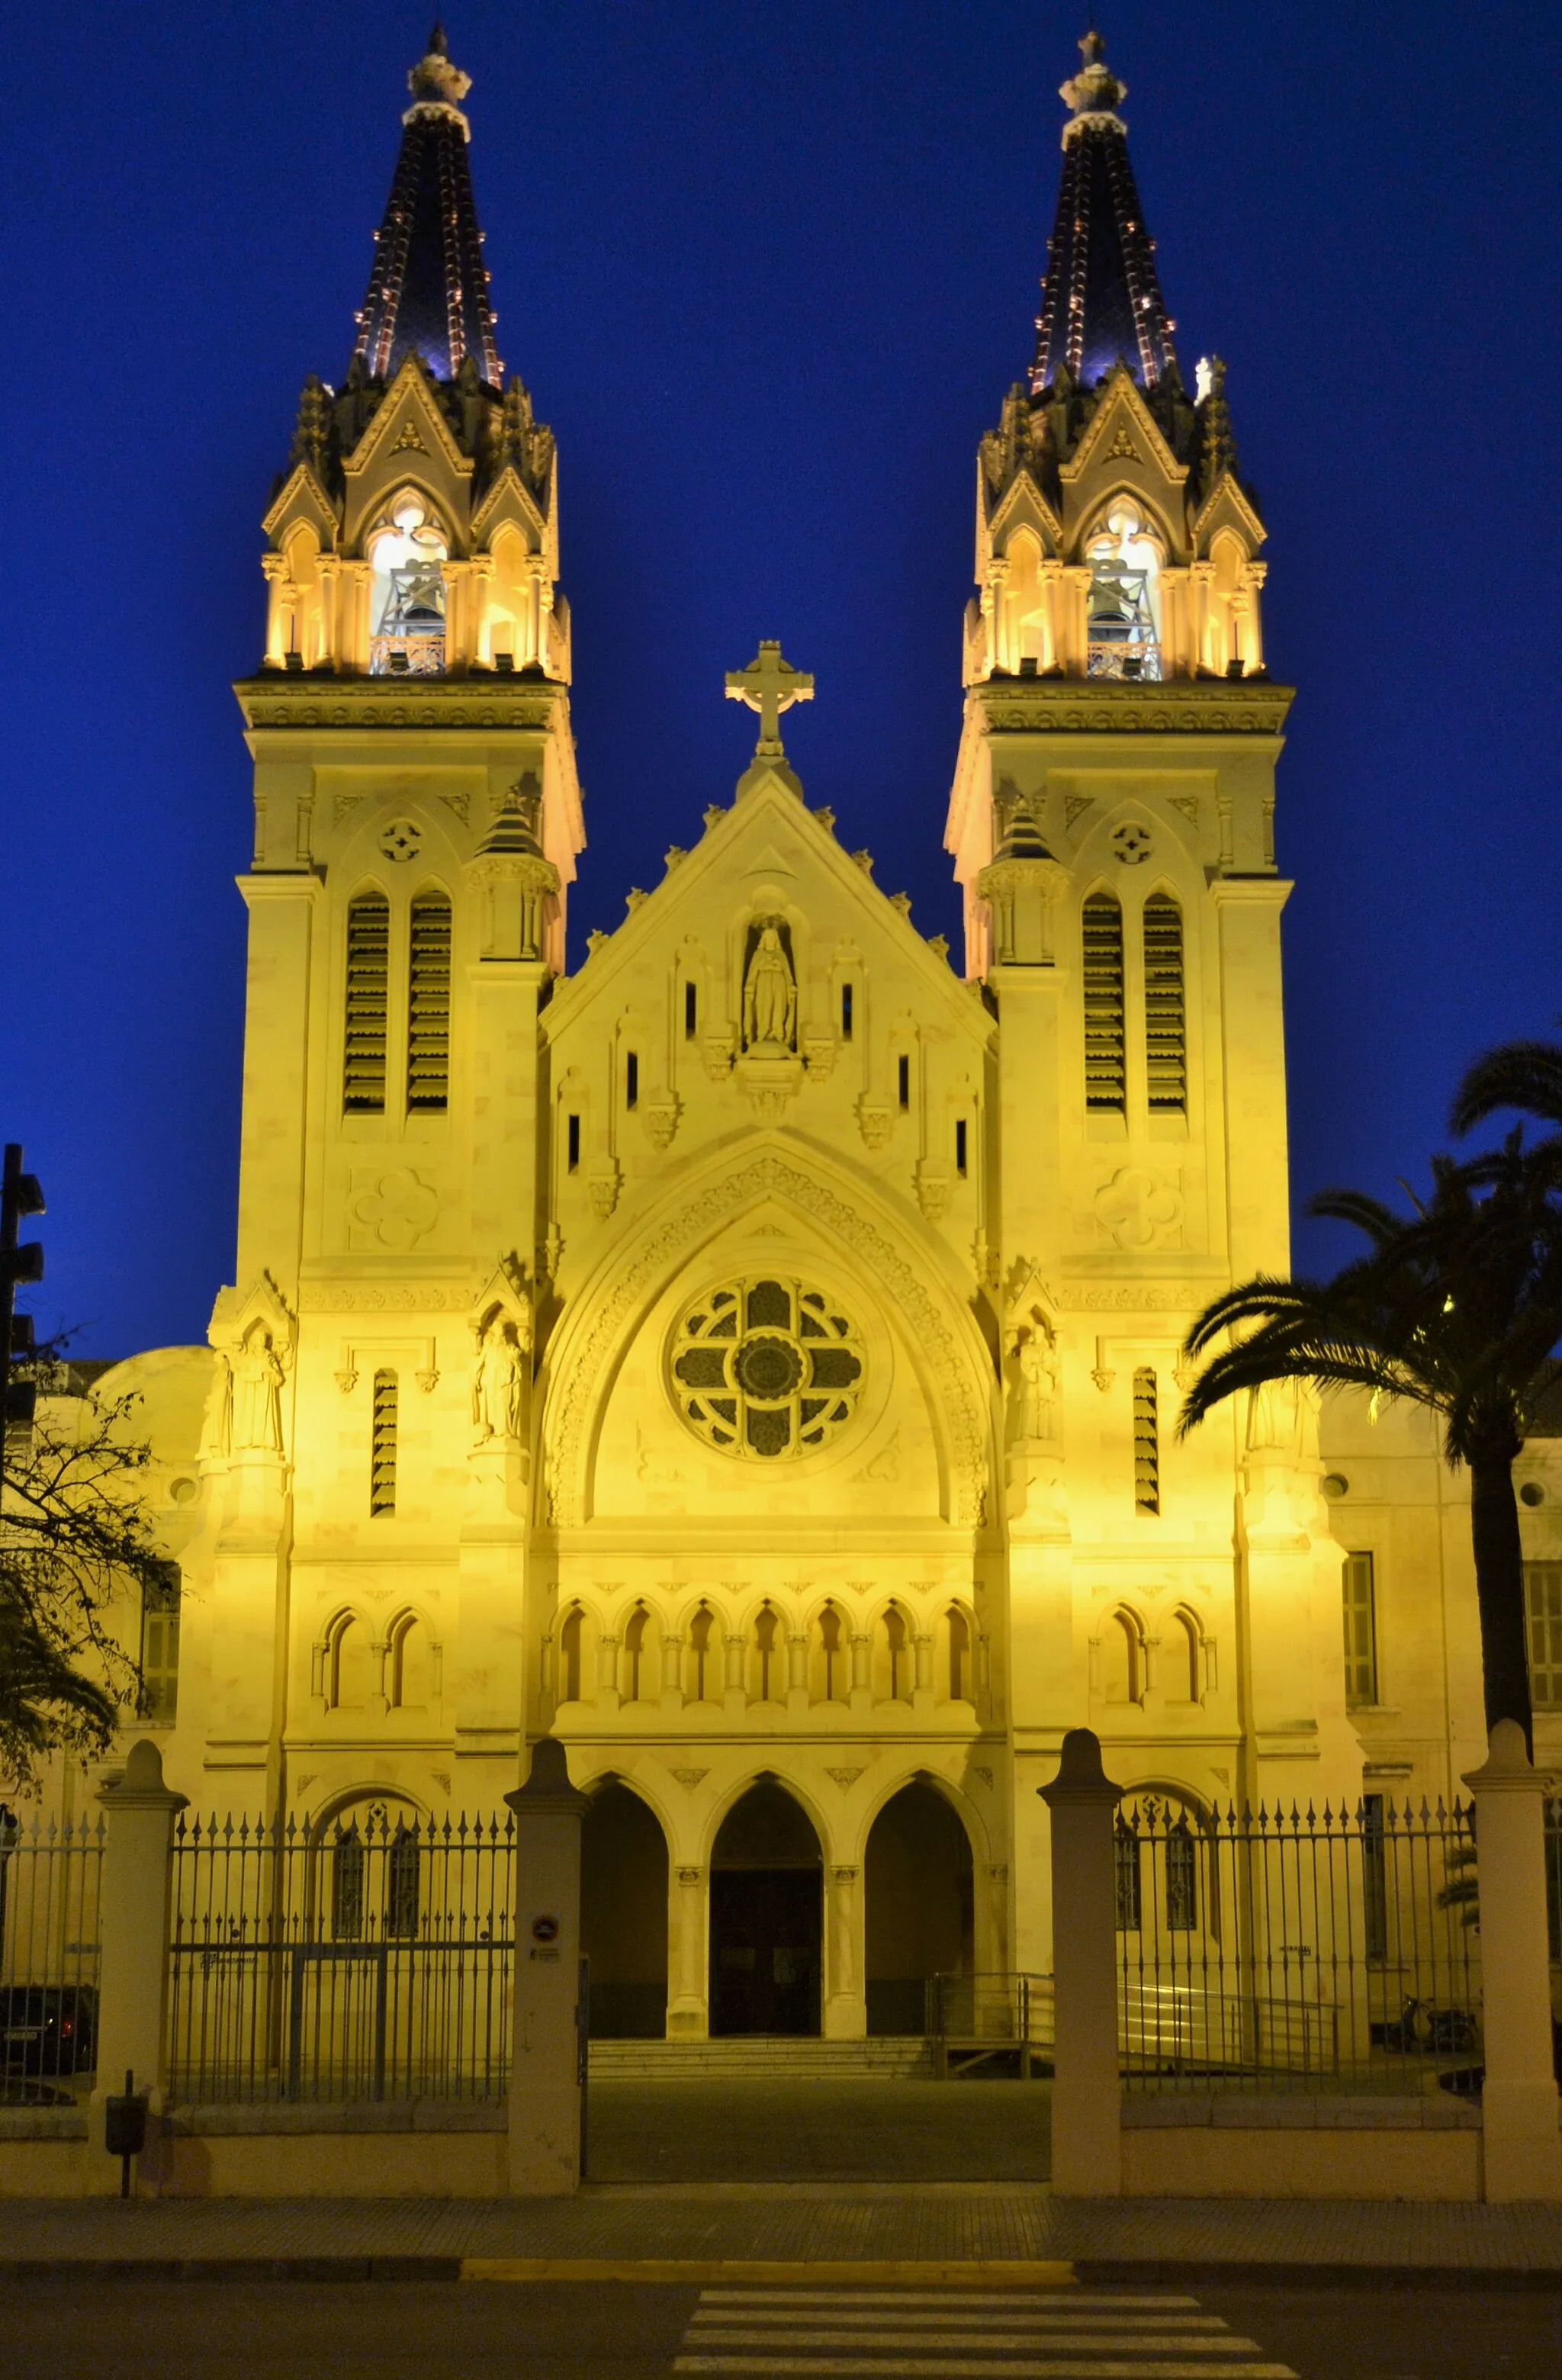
1525, 1075
1456, 1306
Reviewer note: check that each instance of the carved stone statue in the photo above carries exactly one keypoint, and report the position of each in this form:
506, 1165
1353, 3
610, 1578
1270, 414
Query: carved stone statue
498, 1382
1274, 1418
257, 1396
769, 995
1039, 1387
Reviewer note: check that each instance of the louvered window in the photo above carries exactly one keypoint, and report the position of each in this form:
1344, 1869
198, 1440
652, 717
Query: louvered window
1166, 1031
368, 944
1543, 1593
1146, 1444
1360, 1631
427, 1006
383, 1459
1104, 1068
160, 1646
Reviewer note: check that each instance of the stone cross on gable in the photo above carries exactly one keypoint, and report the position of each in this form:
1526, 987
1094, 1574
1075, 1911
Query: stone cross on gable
769, 685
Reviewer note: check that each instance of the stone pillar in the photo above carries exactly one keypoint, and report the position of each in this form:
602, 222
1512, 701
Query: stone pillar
688, 2012
1086, 2092
544, 2059
736, 1648
845, 2001
862, 1670
134, 1929
1523, 2149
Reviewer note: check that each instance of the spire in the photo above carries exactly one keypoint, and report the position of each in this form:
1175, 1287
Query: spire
428, 293
1100, 297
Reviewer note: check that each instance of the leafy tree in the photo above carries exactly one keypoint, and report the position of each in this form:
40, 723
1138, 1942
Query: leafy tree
1456, 1306
74, 1540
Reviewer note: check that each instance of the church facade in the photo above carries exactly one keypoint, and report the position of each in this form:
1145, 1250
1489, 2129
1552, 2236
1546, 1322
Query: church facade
750, 1350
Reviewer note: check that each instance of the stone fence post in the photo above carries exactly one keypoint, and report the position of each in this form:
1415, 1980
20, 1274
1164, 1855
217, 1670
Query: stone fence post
1522, 2148
1086, 2092
134, 1931
545, 2048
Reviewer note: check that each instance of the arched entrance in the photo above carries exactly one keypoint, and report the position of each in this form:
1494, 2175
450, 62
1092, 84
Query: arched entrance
918, 1907
767, 1911
623, 1915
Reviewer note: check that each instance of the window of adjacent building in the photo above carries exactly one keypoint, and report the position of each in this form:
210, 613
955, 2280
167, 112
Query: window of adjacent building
427, 1006
369, 951
383, 1459
1360, 1593
1166, 1032
1374, 1880
160, 1646
1147, 1443
1542, 1597
1105, 1039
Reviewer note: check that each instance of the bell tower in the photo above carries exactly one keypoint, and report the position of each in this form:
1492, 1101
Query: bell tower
416, 820
1112, 829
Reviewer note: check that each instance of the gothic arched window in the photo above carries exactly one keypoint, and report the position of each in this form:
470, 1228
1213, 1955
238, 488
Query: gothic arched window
427, 1006
1123, 599
406, 553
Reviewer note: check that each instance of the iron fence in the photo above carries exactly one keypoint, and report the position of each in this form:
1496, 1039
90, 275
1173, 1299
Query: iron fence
1277, 1952
367, 1960
51, 1880
990, 2020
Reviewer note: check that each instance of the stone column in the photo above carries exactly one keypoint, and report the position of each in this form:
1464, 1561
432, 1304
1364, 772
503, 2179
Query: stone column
845, 1999
688, 2012
736, 1646
1087, 2094
797, 1669
544, 2061
862, 1670
1523, 2149
134, 1929
672, 1671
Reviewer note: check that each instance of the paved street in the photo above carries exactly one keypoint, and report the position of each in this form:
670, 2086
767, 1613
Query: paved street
67, 2329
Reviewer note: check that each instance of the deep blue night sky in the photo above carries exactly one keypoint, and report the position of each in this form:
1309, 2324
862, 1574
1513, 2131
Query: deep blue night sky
767, 270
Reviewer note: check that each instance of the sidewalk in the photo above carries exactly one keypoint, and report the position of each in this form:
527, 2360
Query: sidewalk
960, 2224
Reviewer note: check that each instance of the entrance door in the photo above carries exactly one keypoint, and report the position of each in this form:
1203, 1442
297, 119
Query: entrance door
764, 1941
767, 1916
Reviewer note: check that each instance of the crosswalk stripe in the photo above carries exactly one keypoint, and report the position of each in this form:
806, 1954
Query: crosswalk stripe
1051, 2300
1040, 2318
1047, 2343
940, 2367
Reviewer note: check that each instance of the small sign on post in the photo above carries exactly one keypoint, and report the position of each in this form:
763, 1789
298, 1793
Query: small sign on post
125, 2127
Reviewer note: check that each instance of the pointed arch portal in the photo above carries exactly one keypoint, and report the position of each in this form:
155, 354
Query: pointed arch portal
767, 1917
623, 1915
920, 1906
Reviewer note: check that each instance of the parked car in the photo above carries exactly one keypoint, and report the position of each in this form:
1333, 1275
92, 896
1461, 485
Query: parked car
47, 2029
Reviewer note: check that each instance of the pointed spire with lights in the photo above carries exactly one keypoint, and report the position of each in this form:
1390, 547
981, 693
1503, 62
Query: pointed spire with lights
1100, 295
428, 293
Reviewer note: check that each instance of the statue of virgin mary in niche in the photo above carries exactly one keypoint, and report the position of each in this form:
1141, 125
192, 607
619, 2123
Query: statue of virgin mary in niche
770, 994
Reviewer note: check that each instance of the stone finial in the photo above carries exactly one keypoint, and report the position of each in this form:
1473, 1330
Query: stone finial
769, 685
1094, 90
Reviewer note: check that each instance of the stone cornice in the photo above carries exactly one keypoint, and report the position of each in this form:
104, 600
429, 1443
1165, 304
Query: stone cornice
1111, 707
281, 698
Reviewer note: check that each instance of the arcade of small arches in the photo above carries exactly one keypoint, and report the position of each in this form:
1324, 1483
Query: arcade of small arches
362, 1665
835, 1655
1130, 1665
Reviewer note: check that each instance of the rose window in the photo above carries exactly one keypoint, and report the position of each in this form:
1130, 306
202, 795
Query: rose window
766, 1368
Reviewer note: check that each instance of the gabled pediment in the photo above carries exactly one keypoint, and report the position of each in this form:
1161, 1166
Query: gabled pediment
1023, 506
769, 837
301, 497
1226, 506
1122, 447
409, 420
509, 499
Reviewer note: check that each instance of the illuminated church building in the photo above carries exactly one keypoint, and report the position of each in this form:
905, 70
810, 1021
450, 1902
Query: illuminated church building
748, 1349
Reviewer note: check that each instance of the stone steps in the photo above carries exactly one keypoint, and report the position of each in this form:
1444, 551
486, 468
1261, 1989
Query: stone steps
761, 2057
